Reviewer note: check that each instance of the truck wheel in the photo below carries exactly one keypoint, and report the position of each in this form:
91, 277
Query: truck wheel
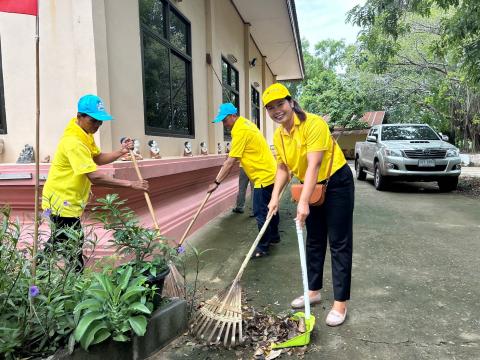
448, 184
379, 181
361, 174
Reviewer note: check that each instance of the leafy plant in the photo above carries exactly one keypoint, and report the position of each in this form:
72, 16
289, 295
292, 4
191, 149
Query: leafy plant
36, 317
114, 306
148, 248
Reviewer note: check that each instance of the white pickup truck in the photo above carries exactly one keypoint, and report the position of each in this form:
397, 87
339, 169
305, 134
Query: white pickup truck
407, 152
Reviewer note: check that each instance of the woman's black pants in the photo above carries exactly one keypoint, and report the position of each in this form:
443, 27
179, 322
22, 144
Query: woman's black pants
332, 220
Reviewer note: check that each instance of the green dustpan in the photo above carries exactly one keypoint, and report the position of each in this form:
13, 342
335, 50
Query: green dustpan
302, 339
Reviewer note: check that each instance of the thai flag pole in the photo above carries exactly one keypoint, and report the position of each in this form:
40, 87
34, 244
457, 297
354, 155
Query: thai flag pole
37, 145
30, 7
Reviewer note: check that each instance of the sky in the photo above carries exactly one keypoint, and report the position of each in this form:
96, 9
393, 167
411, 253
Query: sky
325, 19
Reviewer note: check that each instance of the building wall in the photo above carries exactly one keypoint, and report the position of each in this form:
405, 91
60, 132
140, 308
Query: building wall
125, 75
347, 143
94, 46
91, 46
67, 70
255, 77
270, 126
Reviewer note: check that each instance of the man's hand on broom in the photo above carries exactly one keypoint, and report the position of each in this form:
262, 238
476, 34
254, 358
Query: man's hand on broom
213, 187
140, 185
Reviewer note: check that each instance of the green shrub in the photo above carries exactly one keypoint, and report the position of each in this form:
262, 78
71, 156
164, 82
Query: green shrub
114, 306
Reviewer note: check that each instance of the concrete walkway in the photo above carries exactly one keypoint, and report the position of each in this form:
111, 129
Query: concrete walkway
416, 288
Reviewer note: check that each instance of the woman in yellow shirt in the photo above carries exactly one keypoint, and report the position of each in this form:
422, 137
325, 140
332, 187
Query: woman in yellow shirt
304, 146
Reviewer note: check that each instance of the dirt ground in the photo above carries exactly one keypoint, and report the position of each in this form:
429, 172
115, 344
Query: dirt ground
415, 285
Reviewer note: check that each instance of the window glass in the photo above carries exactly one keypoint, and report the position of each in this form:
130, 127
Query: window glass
152, 15
178, 32
167, 70
408, 133
179, 94
255, 105
230, 90
224, 72
157, 81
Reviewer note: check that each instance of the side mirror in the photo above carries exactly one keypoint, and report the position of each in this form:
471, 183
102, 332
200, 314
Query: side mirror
371, 138
445, 138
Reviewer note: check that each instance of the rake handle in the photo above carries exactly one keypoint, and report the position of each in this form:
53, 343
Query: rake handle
200, 208
250, 252
147, 197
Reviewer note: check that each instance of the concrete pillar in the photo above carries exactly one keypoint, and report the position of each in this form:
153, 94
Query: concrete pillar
246, 54
211, 79
90, 52
106, 141
264, 86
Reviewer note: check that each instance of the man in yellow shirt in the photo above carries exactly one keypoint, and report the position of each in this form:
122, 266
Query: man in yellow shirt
74, 169
251, 149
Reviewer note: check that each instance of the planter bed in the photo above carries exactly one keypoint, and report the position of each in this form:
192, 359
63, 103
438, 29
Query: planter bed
166, 323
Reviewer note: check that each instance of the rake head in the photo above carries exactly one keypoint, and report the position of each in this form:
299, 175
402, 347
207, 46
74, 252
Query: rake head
174, 285
220, 318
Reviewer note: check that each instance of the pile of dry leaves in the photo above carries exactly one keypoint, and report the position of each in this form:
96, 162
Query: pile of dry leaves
469, 186
263, 329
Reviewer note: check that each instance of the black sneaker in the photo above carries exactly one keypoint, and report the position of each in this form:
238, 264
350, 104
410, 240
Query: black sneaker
237, 211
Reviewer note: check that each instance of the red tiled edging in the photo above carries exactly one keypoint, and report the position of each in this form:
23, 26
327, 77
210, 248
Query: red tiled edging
177, 187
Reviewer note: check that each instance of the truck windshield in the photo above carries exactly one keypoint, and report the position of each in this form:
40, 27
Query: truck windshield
408, 133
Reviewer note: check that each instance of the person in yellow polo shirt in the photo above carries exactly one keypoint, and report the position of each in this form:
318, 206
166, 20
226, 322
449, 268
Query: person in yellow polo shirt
250, 147
304, 146
74, 169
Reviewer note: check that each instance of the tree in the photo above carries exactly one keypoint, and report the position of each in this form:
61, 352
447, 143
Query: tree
406, 44
325, 92
459, 32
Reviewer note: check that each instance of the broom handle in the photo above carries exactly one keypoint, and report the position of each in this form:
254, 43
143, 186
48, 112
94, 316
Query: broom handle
147, 197
254, 245
193, 220
303, 265
250, 252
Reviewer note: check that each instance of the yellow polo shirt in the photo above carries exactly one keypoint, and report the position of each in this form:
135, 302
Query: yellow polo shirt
67, 188
249, 145
307, 136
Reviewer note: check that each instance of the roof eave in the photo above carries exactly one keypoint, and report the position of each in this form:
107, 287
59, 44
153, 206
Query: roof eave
292, 13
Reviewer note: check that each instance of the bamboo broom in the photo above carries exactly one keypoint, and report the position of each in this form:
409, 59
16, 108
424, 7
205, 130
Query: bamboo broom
177, 280
174, 285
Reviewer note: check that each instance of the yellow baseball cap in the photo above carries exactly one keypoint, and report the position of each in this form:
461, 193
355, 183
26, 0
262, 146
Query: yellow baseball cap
274, 92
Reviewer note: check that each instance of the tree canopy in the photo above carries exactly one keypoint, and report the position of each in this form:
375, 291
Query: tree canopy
418, 60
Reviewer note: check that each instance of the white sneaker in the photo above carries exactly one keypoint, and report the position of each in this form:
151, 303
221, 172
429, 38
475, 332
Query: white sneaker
334, 318
299, 303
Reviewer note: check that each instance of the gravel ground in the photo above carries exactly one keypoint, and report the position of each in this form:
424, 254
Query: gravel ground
469, 186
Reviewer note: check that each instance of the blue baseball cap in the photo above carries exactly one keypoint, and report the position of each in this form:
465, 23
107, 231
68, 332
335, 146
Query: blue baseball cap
224, 110
93, 106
